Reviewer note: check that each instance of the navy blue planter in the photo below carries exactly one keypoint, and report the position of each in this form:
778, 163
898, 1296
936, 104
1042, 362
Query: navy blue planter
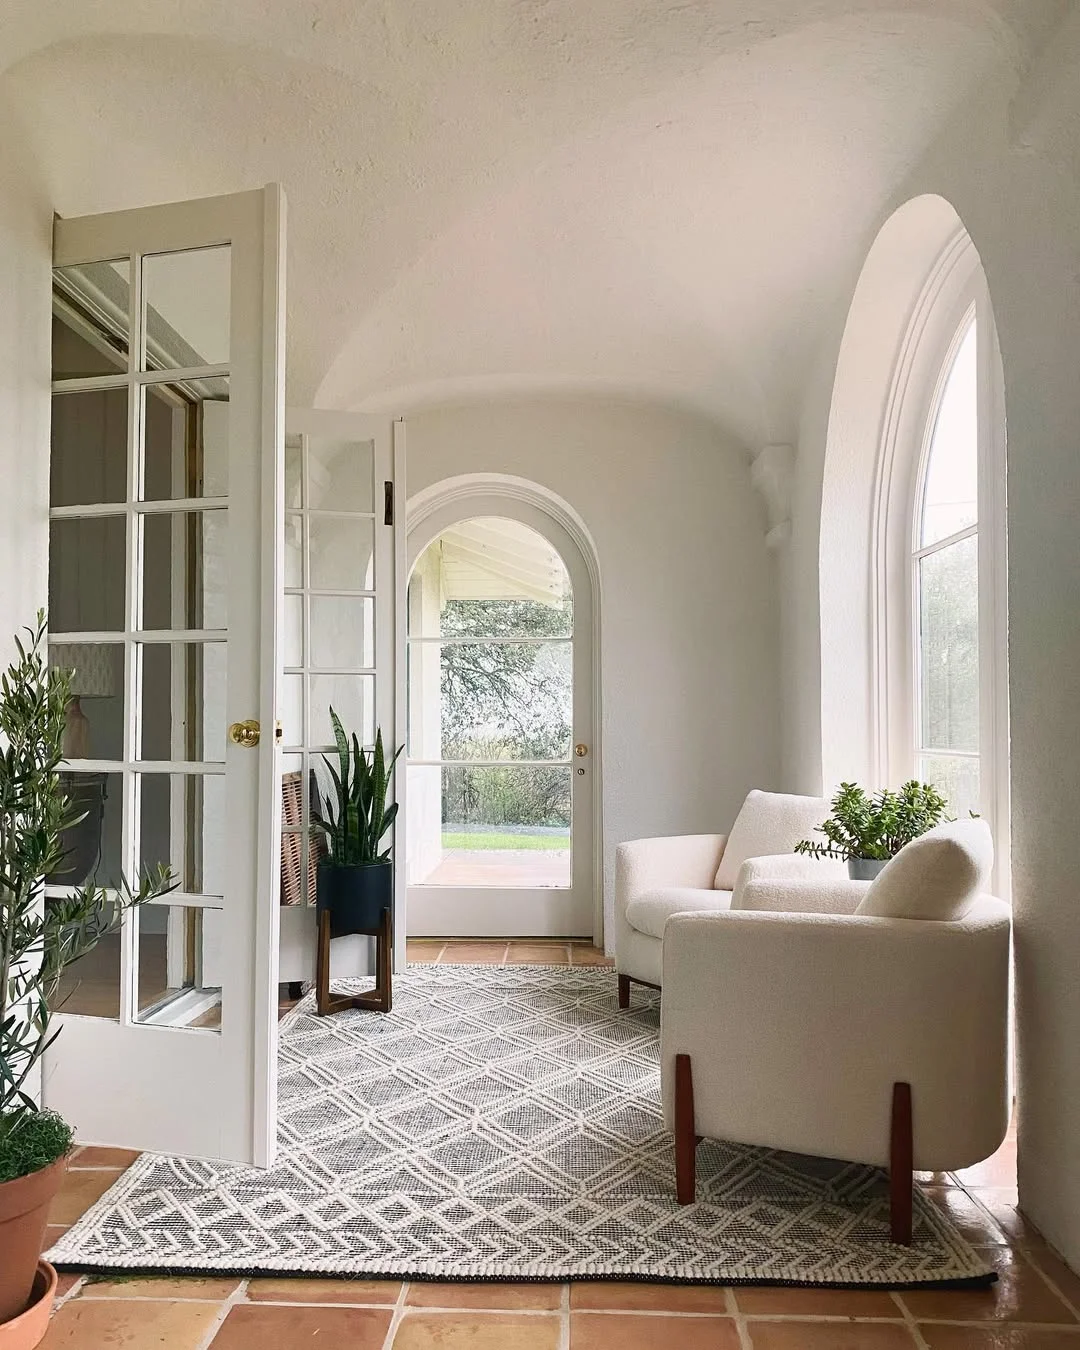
355, 896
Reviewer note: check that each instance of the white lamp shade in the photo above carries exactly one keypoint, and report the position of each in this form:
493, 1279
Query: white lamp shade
94, 664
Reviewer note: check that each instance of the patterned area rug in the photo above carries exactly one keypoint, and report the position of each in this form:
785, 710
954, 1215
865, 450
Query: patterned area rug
503, 1122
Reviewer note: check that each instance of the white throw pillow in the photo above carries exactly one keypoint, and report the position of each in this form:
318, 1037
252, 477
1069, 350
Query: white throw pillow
768, 822
937, 876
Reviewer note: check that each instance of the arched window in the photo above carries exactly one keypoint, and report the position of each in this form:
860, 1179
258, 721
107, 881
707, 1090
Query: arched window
941, 689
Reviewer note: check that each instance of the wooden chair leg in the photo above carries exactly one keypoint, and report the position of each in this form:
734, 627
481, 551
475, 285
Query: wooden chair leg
322, 966
901, 1165
686, 1140
624, 991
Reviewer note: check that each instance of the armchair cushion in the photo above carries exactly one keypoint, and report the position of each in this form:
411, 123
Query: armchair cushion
649, 912
937, 876
768, 822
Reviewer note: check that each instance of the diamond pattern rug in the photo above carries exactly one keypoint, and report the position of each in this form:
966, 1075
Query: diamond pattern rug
504, 1122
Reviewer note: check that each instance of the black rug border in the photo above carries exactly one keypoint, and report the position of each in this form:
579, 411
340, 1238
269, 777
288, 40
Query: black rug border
592, 1277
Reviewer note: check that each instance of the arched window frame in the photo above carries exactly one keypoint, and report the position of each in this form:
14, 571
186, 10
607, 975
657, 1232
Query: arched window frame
955, 292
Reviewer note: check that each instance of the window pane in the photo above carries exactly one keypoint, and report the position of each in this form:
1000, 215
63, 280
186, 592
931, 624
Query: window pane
183, 826
95, 715
88, 457
957, 777
92, 844
342, 632
187, 300
503, 826
342, 550
186, 440
179, 959
490, 577
183, 700
352, 697
950, 489
949, 647
340, 474
90, 330
490, 700
185, 569
87, 574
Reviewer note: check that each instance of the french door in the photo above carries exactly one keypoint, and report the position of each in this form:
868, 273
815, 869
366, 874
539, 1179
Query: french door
164, 597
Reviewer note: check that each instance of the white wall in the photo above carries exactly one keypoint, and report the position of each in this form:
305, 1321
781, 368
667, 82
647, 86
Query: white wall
1011, 168
689, 641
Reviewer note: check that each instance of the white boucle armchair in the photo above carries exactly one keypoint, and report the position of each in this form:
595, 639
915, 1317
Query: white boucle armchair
845, 1019
656, 878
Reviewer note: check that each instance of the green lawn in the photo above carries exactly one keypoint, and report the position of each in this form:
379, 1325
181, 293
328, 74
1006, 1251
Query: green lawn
505, 841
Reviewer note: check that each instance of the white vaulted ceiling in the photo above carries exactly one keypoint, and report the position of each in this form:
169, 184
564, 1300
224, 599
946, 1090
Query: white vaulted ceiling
662, 200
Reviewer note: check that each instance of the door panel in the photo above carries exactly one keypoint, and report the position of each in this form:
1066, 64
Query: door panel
339, 602
165, 561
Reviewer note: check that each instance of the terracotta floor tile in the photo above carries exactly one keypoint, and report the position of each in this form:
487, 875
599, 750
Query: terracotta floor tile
508, 1297
1066, 1281
972, 1220
1002, 1205
999, 1338
423, 953
90, 1155
998, 1170
53, 1233
585, 954
634, 1331
66, 1282
632, 1297
830, 1336
83, 1325
324, 1291
816, 1303
476, 1331
1020, 1295
252, 1326
78, 1193
538, 954
473, 953
168, 1287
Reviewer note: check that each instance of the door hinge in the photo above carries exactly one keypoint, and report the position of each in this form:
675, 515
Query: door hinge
388, 503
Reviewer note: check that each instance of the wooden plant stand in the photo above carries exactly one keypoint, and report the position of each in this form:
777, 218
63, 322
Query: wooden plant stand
381, 997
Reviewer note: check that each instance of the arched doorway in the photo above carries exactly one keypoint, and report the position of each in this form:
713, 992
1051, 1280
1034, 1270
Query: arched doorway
501, 762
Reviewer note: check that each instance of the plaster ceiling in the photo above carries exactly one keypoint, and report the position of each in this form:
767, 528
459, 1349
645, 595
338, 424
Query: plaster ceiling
657, 199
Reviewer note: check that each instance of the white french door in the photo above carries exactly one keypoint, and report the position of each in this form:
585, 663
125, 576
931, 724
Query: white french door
164, 596
339, 642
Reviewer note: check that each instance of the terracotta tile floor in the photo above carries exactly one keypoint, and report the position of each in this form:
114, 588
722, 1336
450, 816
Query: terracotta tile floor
1034, 1306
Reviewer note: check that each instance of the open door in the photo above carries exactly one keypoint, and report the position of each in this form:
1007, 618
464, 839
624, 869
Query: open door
340, 646
164, 586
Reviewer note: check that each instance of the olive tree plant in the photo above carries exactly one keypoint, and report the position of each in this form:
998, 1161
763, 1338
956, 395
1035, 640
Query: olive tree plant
38, 939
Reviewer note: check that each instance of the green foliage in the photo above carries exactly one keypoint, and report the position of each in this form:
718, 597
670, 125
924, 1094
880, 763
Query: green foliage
877, 826
517, 842
357, 816
39, 937
31, 1140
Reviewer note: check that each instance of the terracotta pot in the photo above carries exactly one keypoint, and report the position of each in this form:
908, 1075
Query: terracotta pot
29, 1328
24, 1211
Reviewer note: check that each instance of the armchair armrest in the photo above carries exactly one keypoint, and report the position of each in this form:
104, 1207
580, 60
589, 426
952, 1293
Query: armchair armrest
789, 882
798, 1025
675, 860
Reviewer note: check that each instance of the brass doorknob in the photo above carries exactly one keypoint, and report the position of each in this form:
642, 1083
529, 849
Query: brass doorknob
245, 733
581, 750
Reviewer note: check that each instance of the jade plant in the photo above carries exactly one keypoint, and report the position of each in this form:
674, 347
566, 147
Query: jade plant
876, 825
356, 815
40, 937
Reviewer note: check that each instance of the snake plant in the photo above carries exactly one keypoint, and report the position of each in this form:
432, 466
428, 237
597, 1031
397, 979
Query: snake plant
356, 815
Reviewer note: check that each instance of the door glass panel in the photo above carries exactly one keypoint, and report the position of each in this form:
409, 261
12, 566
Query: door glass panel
294, 551
507, 825
88, 458
342, 632
185, 569
187, 298
92, 845
186, 440
293, 640
86, 574
496, 700
353, 699
342, 551
182, 825
949, 647
294, 462
91, 324
183, 700
90, 987
340, 474
292, 710
95, 715
179, 967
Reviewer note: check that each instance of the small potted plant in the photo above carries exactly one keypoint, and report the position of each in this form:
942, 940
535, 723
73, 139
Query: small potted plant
867, 830
38, 939
355, 879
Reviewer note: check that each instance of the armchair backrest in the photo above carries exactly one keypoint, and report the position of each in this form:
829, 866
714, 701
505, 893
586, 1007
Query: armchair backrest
768, 822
